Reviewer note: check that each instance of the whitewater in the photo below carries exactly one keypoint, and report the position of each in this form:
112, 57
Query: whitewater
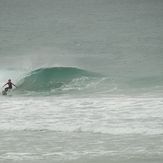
89, 81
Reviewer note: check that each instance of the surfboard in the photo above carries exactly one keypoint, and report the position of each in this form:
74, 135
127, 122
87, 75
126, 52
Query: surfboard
7, 93
4, 92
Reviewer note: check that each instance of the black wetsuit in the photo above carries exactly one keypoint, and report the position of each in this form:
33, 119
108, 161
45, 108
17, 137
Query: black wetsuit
9, 86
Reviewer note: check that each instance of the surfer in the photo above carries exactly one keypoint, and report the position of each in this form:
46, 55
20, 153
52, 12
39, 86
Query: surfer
10, 84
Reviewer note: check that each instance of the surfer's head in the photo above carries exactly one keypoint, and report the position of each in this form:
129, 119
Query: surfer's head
9, 80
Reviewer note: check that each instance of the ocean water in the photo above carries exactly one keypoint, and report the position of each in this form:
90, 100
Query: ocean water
89, 77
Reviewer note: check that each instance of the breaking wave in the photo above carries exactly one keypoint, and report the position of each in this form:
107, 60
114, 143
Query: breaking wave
55, 78
68, 80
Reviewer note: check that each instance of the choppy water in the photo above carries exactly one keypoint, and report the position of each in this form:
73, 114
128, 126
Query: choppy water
89, 81
87, 129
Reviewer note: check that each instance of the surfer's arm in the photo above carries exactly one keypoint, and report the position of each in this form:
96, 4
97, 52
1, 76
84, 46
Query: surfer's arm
5, 84
13, 84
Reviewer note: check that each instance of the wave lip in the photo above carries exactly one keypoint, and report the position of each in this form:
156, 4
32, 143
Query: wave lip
47, 79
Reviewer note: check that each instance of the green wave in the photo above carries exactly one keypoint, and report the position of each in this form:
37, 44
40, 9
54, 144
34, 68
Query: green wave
47, 79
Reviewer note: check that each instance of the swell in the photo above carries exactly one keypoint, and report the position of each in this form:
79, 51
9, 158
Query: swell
61, 80
149, 81
48, 79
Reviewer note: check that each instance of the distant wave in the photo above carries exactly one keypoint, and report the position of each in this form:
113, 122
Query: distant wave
47, 79
146, 81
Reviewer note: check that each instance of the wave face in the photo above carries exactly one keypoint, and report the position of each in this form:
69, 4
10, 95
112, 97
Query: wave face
61, 80
47, 79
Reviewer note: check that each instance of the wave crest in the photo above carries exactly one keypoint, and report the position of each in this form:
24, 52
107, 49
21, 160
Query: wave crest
47, 79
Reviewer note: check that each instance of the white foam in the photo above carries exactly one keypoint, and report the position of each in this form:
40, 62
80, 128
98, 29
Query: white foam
118, 115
